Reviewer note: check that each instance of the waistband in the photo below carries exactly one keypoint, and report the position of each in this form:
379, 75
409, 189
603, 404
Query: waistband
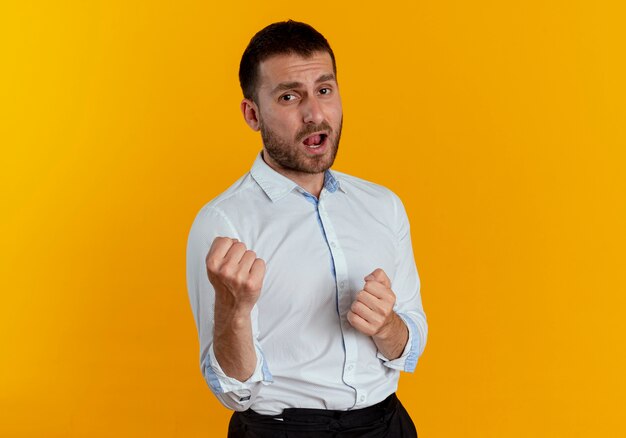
323, 419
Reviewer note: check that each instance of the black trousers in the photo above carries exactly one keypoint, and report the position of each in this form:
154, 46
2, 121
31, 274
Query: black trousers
387, 419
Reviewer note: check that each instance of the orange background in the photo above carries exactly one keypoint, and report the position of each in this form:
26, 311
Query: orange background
501, 125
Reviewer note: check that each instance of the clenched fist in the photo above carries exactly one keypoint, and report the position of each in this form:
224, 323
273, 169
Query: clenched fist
372, 310
372, 314
236, 274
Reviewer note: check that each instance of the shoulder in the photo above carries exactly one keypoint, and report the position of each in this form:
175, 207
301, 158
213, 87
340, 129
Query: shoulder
375, 199
227, 202
218, 213
362, 188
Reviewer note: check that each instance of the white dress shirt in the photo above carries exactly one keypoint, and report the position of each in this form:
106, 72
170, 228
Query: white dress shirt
317, 253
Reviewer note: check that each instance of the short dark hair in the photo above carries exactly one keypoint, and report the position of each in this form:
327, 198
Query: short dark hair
284, 37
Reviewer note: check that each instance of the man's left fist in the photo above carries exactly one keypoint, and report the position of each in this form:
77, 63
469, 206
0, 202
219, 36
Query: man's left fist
372, 312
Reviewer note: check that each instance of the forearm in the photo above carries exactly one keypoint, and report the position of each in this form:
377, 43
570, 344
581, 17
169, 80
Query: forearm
237, 278
233, 342
391, 339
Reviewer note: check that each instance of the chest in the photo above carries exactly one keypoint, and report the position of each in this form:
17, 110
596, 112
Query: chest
307, 247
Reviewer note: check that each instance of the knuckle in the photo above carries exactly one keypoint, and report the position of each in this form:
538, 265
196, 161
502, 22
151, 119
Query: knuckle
241, 278
220, 241
261, 264
239, 246
225, 271
214, 267
387, 310
250, 284
211, 264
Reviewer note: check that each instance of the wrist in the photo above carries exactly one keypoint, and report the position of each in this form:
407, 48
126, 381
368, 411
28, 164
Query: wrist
232, 319
388, 330
235, 303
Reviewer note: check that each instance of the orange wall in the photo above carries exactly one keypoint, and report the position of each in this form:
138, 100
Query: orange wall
500, 124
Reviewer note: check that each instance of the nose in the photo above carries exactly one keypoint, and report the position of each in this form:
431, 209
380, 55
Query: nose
312, 111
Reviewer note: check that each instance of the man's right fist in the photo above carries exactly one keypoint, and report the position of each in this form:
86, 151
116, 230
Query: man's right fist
235, 272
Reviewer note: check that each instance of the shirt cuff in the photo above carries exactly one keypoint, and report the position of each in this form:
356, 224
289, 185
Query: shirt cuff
408, 359
220, 383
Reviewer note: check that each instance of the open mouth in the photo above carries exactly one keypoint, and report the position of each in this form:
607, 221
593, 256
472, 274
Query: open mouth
315, 141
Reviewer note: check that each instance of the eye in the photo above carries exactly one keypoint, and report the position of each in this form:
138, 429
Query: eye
287, 97
325, 90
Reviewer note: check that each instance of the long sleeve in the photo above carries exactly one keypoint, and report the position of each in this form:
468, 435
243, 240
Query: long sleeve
209, 224
406, 286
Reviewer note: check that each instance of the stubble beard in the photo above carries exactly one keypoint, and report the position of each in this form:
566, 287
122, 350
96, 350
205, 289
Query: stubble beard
291, 157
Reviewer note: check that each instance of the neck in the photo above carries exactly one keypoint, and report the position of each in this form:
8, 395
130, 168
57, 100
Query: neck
311, 182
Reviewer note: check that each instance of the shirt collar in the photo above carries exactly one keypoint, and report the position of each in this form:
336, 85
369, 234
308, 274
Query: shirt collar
277, 186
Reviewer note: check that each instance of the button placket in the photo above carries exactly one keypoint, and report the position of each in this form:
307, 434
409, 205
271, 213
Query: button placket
343, 299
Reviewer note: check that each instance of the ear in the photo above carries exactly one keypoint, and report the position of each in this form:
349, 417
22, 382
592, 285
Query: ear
250, 112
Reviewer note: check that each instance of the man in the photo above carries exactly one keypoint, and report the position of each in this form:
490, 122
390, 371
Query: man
302, 280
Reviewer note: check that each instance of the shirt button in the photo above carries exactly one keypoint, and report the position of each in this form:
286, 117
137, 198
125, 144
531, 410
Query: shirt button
362, 398
332, 244
350, 367
342, 284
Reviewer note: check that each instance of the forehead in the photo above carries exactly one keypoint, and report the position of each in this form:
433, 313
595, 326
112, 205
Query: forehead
294, 68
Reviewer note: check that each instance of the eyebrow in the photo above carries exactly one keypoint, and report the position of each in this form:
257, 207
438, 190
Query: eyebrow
283, 86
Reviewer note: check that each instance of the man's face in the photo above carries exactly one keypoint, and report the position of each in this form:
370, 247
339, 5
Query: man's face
300, 112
